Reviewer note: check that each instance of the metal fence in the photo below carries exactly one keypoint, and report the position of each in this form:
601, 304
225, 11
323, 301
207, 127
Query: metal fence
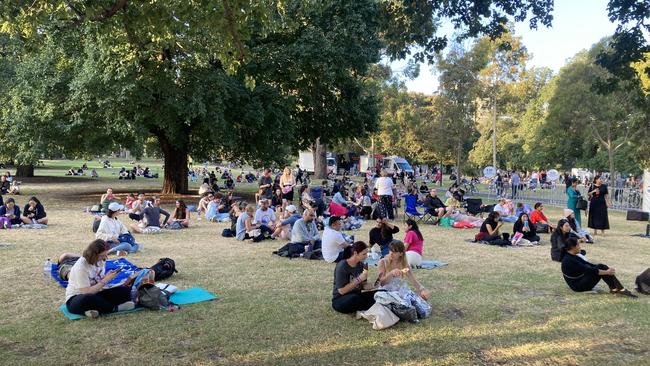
621, 198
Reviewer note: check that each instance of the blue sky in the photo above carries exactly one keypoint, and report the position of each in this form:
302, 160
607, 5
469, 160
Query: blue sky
577, 24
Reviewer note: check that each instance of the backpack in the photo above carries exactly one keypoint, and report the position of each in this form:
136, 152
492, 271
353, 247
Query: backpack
164, 268
643, 282
227, 233
291, 250
152, 297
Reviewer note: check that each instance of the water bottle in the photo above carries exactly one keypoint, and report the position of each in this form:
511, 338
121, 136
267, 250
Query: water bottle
526, 224
47, 268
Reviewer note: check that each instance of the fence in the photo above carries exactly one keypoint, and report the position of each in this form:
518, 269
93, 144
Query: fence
621, 198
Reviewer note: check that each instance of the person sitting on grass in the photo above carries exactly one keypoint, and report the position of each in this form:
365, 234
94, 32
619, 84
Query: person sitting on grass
181, 215
394, 267
94, 174
9, 214
107, 198
349, 277
265, 216
523, 208
527, 230
205, 187
277, 200
582, 275
34, 212
542, 225
490, 230
245, 229
137, 207
151, 218
287, 218
86, 293
413, 242
218, 209
305, 232
111, 229
382, 234
364, 204
575, 226
336, 246
202, 207
559, 238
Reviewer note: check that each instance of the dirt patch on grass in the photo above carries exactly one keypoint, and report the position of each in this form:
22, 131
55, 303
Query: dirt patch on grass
453, 314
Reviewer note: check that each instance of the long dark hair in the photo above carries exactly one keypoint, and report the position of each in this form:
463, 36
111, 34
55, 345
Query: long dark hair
180, 210
414, 227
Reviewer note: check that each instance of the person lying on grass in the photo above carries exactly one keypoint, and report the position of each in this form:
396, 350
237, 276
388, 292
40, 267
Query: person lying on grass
34, 212
394, 268
86, 293
582, 275
111, 228
350, 277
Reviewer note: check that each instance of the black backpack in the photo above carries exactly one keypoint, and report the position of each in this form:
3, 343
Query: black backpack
164, 268
643, 282
291, 250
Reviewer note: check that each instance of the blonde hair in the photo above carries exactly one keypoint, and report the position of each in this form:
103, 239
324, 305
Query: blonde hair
250, 208
398, 247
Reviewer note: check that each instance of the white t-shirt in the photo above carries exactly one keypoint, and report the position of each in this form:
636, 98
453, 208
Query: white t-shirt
332, 244
500, 209
264, 217
83, 275
384, 186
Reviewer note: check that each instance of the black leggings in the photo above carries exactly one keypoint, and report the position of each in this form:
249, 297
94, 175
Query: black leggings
386, 207
356, 301
104, 301
588, 281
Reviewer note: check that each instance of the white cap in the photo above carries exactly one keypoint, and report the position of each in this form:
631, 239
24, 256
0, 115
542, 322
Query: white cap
114, 206
291, 208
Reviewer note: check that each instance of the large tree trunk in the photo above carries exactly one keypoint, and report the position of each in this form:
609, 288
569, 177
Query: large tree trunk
175, 175
25, 171
320, 159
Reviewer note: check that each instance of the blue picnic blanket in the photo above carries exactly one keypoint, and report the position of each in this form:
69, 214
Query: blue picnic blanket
426, 264
128, 269
180, 297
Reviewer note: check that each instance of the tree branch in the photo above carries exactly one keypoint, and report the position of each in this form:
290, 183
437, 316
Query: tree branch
232, 28
597, 134
117, 6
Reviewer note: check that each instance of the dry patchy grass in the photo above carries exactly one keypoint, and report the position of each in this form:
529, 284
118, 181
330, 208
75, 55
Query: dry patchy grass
490, 305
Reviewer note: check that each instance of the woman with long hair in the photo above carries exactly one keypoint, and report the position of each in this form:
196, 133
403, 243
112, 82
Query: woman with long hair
181, 214
413, 242
526, 228
573, 197
394, 268
598, 204
349, 277
86, 294
34, 212
287, 182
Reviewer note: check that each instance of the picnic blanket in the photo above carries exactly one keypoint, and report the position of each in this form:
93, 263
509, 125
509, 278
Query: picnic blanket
180, 297
128, 269
426, 264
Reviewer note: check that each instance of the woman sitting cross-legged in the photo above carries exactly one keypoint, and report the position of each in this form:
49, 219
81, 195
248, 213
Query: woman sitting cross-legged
582, 275
527, 229
111, 229
86, 293
349, 276
180, 216
34, 212
9, 214
490, 230
394, 268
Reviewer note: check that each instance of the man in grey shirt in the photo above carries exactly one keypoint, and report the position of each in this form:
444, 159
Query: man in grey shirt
305, 232
151, 217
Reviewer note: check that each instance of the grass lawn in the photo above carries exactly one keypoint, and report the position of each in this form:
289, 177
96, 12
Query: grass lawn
490, 305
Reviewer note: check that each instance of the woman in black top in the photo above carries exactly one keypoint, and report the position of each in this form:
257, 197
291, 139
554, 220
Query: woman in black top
524, 226
382, 234
489, 231
582, 275
598, 203
349, 276
34, 212
559, 239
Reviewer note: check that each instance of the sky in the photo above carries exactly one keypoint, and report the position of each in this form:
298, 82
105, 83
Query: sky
577, 24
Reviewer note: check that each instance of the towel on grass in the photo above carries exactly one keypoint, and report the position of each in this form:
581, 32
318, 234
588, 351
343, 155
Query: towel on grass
428, 264
128, 269
180, 297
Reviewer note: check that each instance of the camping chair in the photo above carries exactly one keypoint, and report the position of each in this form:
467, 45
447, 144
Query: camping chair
411, 210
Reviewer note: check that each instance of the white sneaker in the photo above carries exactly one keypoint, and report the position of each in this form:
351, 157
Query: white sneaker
129, 305
92, 314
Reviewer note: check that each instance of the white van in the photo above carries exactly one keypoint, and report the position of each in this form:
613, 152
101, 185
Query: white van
395, 165
306, 162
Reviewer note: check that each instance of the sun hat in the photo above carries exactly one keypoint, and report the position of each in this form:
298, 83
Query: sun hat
114, 206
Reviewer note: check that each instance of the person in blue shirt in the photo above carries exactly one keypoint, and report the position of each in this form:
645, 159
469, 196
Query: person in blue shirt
287, 219
515, 181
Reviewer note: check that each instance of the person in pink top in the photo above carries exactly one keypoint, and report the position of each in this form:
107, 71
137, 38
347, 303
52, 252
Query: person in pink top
413, 242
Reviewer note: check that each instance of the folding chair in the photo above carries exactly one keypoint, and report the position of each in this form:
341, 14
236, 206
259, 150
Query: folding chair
411, 208
474, 206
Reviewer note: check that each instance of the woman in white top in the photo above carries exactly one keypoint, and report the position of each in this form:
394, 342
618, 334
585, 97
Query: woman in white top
385, 187
287, 182
86, 293
110, 229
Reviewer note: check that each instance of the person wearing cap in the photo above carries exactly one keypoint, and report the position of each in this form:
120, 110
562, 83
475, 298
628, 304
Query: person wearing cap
110, 228
335, 244
576, 229
288, 217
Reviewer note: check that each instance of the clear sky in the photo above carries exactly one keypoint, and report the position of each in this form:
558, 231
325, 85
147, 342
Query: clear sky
577, 24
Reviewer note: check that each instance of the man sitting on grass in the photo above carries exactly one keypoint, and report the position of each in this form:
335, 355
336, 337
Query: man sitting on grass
151, 218
265, 216
287, 218
305, 232
335, 244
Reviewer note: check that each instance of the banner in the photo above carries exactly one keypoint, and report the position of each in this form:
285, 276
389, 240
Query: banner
646, 190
